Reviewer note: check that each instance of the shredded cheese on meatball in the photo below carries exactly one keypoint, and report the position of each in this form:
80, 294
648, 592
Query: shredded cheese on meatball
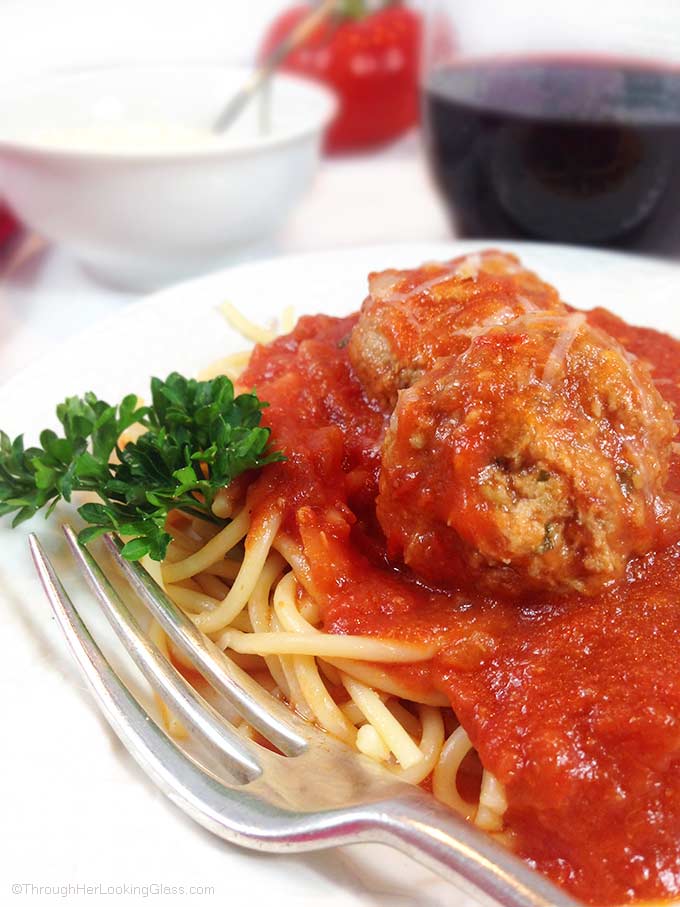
557, 360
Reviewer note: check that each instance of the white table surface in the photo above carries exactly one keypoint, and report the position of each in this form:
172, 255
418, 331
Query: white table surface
45, 297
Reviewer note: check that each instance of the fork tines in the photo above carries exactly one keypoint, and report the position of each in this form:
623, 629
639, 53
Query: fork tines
262, 711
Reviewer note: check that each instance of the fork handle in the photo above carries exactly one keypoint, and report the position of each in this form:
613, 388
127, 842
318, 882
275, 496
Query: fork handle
456, 850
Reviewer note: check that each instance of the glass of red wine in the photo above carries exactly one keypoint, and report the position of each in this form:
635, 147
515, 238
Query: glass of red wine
557, 121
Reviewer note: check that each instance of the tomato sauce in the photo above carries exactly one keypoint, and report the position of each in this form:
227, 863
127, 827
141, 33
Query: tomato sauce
572, 702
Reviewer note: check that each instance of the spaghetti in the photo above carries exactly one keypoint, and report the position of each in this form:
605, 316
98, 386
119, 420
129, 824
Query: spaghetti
332, 680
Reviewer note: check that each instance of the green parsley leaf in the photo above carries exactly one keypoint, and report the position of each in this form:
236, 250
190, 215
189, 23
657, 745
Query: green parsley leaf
198, 438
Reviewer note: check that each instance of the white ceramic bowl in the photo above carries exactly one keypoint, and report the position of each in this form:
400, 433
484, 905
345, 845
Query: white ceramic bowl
118, 166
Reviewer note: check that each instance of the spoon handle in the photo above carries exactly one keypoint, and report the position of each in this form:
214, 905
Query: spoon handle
272, 61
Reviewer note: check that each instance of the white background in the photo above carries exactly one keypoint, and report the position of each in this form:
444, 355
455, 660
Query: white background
42, 33
46, 33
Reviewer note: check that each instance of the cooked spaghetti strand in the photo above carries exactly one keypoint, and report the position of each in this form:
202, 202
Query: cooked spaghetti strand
211, 552
254, 559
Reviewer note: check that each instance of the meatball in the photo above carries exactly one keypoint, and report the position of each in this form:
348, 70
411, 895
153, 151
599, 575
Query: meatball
412, 318
534, 461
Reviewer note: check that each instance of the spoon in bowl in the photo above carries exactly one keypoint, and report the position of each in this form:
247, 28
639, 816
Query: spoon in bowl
260, 77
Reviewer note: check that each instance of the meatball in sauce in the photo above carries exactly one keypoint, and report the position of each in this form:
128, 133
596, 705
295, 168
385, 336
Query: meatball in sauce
527, 450
412, 318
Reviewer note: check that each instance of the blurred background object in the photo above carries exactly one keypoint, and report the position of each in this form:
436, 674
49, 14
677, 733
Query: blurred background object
369, 54
366, 52
8, 224
558, 123
380, 196
119, 165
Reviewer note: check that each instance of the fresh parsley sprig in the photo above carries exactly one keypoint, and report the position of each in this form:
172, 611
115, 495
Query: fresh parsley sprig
198, 437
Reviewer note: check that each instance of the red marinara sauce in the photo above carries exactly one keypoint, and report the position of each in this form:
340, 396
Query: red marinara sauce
572, 702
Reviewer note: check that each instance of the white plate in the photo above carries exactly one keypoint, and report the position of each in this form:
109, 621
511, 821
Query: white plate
82, 813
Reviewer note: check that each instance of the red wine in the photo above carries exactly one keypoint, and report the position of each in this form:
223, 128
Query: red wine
564, 149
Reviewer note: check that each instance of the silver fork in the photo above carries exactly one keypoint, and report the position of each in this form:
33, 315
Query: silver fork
316, 793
